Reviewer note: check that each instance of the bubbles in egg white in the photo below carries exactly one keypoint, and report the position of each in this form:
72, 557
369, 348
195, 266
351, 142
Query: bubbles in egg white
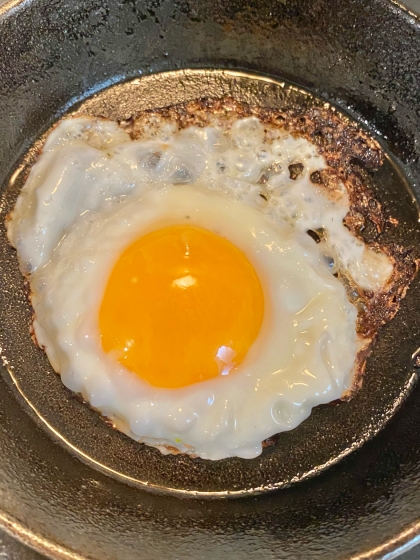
94, 190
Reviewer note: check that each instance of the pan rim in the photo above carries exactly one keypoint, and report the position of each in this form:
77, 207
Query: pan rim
391, 548
405, 8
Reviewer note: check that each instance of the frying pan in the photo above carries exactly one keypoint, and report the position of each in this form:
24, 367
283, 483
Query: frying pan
344, 484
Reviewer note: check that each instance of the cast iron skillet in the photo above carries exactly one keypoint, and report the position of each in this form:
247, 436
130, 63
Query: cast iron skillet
344, 484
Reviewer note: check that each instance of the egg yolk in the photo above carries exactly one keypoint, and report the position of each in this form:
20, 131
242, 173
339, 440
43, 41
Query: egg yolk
182, 305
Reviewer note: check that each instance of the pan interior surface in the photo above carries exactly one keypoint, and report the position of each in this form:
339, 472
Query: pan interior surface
331, 432
359, 55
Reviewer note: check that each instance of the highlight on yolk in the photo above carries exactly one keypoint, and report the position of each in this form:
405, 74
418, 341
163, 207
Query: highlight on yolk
182, 305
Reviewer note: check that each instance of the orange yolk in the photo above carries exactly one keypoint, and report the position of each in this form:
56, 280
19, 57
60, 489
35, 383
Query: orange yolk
182, 305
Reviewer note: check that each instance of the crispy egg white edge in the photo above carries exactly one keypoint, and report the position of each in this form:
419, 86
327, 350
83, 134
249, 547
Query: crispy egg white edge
100, 149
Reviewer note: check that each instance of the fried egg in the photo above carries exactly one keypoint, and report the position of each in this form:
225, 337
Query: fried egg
174, 283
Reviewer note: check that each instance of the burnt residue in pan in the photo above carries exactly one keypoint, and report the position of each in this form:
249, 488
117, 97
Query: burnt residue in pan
327, 436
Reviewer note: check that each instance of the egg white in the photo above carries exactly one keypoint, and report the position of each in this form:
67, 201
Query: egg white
303, 355
94, 191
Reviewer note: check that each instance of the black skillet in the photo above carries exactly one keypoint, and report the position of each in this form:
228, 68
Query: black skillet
344, 484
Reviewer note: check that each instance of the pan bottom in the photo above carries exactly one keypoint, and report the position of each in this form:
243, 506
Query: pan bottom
326, 437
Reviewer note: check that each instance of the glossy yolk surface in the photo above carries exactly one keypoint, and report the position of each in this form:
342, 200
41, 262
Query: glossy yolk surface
182, 305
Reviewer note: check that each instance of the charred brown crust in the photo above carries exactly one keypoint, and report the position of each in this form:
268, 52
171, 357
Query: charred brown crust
348, 151
295, 169
382, 307
359, 370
